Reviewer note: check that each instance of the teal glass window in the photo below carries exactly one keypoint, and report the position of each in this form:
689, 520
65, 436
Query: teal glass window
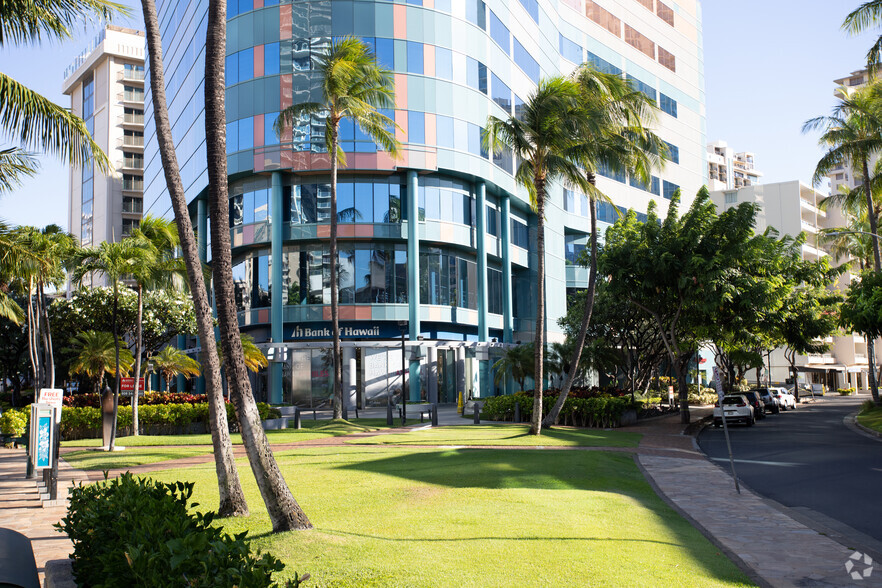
602, 65
476, 13
525, 61
271, 59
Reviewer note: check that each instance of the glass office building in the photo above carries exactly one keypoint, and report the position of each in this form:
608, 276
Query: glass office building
435, 248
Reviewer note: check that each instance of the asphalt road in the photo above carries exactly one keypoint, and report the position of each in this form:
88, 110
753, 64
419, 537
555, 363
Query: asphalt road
808, 459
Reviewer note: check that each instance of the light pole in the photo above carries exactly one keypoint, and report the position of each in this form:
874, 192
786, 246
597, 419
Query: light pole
402, 325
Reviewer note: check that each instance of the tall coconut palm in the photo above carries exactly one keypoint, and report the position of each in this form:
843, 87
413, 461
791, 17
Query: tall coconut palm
546, 140
865, 16
353, 86
34, 121
171, 362
160, 237
97, 355
231, 497
516, 362
615, 136
254, 357
115, 261
852, 135
284, 512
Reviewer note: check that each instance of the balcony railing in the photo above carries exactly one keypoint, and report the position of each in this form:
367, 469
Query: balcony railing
129, 141
134, 185
131, 75
131, 163
133, 207
133, 119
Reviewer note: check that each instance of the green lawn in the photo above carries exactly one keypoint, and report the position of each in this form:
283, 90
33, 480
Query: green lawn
872, 419
507, 435
103, 460
394, 516
311, 430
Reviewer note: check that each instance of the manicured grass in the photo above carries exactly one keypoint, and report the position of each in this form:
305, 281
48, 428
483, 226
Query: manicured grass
507, 434
311, 430
103, 460
394, 516
872, 419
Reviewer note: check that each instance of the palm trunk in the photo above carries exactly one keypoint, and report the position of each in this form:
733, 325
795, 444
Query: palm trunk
877, 267
231, 497
554, 414
32, 337
44, 339
539, 340
138, 351
50, 352
871, 360
284, 512
335, 301
116, 384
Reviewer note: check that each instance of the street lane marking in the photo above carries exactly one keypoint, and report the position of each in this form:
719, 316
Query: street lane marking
783, 464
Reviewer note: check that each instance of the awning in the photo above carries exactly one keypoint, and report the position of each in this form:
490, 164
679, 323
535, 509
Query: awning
855, 369
820, 369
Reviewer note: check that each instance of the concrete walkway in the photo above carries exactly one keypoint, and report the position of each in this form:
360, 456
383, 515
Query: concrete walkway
768, 544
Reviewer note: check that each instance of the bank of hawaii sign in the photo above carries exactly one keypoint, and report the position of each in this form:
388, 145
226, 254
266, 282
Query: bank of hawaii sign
325, 332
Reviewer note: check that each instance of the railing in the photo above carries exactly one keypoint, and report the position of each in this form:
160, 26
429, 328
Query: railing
133, 163
137, 97
129, 141
134, 185
132, 75
133, 119
134, 207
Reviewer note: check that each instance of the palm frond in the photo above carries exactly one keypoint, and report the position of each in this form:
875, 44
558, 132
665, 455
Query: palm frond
24, 21
15, 165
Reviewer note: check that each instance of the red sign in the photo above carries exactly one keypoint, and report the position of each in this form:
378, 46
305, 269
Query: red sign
128, 384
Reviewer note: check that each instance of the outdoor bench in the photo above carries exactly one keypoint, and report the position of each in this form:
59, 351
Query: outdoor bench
423, 409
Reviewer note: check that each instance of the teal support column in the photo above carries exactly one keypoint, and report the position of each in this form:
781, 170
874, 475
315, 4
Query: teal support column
413, 277
202, 248
505, 221
483, 330
182, 381
276, 318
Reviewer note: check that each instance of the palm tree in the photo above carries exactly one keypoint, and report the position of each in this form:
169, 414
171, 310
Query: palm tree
97, 355
254, 357
283, 510
231, 497
862, 18
114, 261
160, 237
852, 135
516, 362
546, 141
615, 136
353, 86
36, 122
171, 362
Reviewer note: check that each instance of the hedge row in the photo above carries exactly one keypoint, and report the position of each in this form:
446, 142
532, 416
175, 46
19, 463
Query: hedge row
138, 532
603, 411
94, 400
85, 422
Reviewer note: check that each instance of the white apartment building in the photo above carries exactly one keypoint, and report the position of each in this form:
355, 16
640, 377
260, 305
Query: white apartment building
791, 208
727, 170
106, 88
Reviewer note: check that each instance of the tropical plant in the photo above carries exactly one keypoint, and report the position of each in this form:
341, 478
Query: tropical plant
546, 140
284, 511
171, 362
97, 354
615, 136
353, 87
231, 497
113, 260
516, 362
254, 357
860, 19
34, 121
862, 312
161, 270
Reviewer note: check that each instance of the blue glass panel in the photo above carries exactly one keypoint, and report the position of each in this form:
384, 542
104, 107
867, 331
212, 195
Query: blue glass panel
668, 104
444, 131
246, 133
602, 65
518, 107
669, 189
248, 207
446, 202
232, 69
443, 63
443, 5
654, 188
532, 8
673, 152
246, 64
386, 53
364, 202
245, 6
232, 8
345, 202
500, 93
381, 202
642, 87
499, 32
525, 61
347, 130
416, 127
475, 140
269, 134
414, 57
261, 205
476, 13
271, 59
232, 137
570, 50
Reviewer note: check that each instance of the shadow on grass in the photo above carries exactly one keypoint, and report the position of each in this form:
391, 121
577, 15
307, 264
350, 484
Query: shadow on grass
488, 538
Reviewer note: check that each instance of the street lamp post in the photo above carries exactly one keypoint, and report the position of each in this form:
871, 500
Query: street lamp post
402, 325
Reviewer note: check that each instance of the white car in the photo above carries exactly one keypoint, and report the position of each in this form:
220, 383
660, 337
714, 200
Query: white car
737, 410
784, 397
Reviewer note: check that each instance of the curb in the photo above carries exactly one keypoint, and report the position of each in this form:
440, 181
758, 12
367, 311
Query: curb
852, 423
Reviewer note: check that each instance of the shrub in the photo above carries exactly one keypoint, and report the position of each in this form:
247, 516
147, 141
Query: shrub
14, 422
597, 411
138, 532
846, 391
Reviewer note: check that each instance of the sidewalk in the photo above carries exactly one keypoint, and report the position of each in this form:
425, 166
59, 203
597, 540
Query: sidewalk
772, 547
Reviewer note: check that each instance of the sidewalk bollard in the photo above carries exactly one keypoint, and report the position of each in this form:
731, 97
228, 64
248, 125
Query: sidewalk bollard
477, 414
356, 412
435, 415
345, 413
389, 412
315, 418
297, 423
517, 415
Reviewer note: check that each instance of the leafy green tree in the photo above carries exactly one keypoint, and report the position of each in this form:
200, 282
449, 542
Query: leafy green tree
516, 362
862, 312
254, 357
113, 260
97, 354
171, 362
31, 119
231, 497
352, 87
546, 141
13, 353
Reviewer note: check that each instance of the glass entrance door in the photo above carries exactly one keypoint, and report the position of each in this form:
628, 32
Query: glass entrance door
446, 376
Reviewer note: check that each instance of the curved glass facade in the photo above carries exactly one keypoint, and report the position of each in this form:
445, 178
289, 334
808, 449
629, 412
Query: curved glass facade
440, 239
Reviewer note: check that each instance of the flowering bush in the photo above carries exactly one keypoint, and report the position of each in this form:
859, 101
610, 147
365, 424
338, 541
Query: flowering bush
14, 422
94, 400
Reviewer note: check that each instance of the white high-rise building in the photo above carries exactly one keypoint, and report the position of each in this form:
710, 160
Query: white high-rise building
727, 169
106, 88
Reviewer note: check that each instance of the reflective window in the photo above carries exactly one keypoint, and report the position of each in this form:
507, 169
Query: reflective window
270, 59
476, 75
269, 134
500, 93
532, 8
494, 291
669, 189
639, 41
602, 65
667, 59
443, 63
444, 131
499, 32
447, 278
603, 17
414, 57
570, 50
476, 13
642, 87
652, 188
668, 104
416, 127
673, 153
665, 12
612, 174
525, 61
575, 245
520, 235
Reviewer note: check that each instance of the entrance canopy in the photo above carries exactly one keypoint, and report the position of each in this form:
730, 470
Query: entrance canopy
819, 369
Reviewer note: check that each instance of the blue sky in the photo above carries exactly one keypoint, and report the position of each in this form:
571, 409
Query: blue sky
769, 66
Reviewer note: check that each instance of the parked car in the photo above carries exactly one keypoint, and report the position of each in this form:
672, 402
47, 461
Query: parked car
736, 409
756, 401
784, 397
770, 401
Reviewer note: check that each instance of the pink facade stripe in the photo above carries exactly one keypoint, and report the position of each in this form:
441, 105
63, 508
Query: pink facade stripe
258, 4
285, 21
431, 129
248, 235
258, 130
429, 59
400, 90
263, 316
258, 61
399, 21
259, 160
401, 121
